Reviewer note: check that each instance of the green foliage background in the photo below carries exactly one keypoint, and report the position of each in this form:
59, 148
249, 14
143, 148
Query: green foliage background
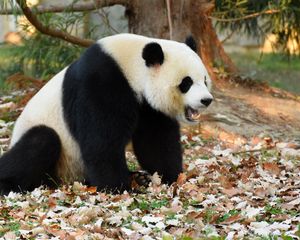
280, 17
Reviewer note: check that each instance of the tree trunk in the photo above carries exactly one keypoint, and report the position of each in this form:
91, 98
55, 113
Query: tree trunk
188, 17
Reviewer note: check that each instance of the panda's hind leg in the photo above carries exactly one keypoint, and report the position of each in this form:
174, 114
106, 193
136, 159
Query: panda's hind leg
31, 161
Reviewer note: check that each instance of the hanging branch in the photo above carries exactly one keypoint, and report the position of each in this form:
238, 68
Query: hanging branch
80, 6
253, 15
169, 18
31, 17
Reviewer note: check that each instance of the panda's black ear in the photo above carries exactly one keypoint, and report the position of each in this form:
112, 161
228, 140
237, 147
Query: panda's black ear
190, 41
153, 54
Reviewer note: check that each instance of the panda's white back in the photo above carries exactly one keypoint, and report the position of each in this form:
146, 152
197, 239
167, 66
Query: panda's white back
45, 108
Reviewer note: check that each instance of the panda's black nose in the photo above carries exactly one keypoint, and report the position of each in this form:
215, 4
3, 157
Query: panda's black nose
206, 101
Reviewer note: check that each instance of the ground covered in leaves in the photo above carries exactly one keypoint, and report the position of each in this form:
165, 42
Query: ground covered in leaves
241, 190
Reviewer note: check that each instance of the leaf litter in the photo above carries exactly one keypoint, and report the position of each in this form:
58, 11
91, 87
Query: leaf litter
247, 191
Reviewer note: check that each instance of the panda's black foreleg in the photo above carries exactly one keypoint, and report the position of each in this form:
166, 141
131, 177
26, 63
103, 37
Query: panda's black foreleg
31, 161
103, 152
108, 171
156, 143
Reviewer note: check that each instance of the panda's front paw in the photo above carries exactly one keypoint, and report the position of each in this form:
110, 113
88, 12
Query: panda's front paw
4, 189
140, 179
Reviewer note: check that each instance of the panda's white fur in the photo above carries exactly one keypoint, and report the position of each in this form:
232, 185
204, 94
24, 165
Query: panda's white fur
158, 84
45, 108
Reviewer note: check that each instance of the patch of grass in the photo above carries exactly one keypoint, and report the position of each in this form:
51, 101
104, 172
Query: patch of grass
132, 165
159, 203
64, 203
285, 237
186, 238
276, 69
208, 215
171, 216
148, 206
10, 227
230, 213
4, 213
297, 233
274, 210
195, 203
267, 154
204, 157
14, 226
9, 116
168, 237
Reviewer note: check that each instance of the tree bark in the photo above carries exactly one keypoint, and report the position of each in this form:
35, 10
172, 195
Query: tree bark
189, 17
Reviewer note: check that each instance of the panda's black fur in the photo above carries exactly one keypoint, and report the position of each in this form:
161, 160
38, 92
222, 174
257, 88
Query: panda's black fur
98, 99
110, 107
31, 162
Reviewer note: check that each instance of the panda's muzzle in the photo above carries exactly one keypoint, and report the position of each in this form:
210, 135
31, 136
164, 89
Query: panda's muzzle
192, 115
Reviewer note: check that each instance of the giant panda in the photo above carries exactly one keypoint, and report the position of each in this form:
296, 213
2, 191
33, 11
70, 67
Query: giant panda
123, 88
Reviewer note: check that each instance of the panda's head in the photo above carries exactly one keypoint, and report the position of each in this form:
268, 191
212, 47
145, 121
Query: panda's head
178, 83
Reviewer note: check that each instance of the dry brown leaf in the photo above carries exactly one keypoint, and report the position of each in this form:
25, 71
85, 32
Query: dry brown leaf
91, 189
232, 219
255, 140
214, 218
293, 145
18, 214
272, 168
250, 163
268, 140
261, 192
189, 187
232, 191
245, 174
198, 197
192, 174
55, 230
225, 182
181, 179
52, 202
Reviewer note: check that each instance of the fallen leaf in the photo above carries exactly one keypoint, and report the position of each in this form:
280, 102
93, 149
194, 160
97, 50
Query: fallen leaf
225, 182
232, 219
232, 191
272, 168
91, 189
52, 202
261, 192
181, 179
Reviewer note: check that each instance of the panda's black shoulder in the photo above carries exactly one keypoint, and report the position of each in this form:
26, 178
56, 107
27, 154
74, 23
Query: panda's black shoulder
93, 60
94, 80
95, 66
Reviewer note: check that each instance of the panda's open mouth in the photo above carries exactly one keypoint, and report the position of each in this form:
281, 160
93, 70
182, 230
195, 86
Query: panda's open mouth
192, 115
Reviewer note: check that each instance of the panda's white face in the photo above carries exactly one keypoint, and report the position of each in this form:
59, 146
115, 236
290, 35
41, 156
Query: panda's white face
196, 98
168, 74
180, 85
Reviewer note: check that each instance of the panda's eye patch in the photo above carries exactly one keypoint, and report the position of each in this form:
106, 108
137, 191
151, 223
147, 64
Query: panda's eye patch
185, 84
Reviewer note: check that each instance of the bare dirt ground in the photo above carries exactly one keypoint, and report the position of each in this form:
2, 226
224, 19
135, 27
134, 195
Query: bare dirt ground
244, 112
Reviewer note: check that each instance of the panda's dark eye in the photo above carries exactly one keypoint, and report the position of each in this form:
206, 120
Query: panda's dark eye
185, 84
205, 81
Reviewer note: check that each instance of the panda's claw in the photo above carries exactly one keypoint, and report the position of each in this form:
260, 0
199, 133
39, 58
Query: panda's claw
140, 179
